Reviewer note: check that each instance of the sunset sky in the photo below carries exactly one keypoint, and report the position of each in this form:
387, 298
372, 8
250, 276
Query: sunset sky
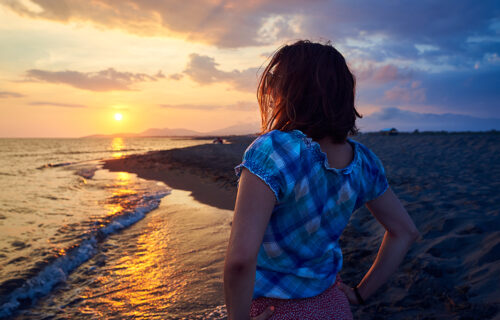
68, 66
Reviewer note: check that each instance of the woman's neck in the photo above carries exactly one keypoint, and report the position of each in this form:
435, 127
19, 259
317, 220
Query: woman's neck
339, 155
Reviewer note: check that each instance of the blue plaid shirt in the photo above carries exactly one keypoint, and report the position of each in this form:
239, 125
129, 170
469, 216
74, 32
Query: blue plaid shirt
300, 255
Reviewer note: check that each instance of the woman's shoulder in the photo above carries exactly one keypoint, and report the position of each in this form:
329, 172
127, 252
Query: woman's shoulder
284, 143
366, 155
272, 156
278, 136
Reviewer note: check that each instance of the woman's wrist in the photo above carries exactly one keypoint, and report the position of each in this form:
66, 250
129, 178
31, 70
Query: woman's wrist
360, 298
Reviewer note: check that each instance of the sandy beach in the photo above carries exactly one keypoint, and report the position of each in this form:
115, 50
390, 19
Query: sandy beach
449, 185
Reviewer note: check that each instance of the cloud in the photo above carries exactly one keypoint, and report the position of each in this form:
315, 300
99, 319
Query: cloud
473, 92
10, 94
204, 70
368, 71
159, 75
239, 106
56, 104
176, 76
411, 93
405, 120
389, 32
104, 80
383, 29
451, 47
223, 23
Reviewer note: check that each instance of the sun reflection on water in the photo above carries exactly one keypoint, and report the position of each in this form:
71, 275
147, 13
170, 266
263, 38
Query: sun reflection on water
142, 278
167, 266
143, 281
117, 145
120, 199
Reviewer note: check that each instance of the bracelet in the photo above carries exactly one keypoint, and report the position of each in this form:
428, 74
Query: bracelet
358, 296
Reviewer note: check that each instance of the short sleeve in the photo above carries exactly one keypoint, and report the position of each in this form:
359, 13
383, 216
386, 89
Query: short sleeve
264, 159
375, 180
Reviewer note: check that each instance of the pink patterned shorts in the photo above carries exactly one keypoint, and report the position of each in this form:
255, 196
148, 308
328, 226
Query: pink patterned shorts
330, 304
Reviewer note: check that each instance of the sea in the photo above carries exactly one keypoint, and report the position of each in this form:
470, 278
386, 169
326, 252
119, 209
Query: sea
74, 242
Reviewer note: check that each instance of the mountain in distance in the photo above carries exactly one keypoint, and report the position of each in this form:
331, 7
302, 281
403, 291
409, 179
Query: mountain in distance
238, 129
154, 132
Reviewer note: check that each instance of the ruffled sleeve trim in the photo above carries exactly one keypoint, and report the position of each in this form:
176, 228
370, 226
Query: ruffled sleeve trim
254, 168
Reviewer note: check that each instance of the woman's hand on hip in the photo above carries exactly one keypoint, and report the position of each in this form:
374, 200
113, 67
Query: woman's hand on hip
266, 314
349, 292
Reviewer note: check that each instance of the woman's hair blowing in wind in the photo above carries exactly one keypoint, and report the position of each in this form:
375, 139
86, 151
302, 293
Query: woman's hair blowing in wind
308, 86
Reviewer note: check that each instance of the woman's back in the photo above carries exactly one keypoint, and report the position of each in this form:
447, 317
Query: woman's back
300, 255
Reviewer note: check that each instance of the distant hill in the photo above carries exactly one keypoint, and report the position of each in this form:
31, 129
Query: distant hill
168, 132
123, 135
239, 129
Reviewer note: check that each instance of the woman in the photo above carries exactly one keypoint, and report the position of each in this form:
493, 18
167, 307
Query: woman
300, 180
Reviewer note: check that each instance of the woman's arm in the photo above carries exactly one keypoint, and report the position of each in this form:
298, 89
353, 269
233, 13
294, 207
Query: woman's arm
400, 234
254, 204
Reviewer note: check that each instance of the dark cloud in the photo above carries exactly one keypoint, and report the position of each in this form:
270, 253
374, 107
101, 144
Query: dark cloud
405, 120
204, 70
10, 94
231, 23
393, 29
223, 23
239, 106
473, 92
56, 104
104, 80
455, 33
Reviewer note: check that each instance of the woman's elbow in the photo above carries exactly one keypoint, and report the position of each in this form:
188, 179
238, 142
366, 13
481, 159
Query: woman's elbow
409, 234
238, 264
413, 234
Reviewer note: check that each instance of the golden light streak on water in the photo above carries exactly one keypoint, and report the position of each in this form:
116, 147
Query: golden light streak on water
168, 265
117, 145
144, 280
117, 202
150, 276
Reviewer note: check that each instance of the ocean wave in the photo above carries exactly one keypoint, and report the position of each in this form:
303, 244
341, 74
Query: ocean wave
56, 271
23, 155
100, 151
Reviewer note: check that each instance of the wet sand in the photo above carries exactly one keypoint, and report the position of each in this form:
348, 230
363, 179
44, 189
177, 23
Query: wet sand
449, 185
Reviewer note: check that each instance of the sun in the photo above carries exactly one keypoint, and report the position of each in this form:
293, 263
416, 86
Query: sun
118, 116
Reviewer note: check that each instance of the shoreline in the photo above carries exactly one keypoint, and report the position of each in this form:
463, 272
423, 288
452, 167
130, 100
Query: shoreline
207, 171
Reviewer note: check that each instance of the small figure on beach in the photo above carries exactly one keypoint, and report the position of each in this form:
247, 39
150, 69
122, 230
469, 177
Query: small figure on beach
389, 131
218, 140
299, 183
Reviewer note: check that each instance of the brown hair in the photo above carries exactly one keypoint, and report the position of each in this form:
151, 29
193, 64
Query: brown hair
308, 86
